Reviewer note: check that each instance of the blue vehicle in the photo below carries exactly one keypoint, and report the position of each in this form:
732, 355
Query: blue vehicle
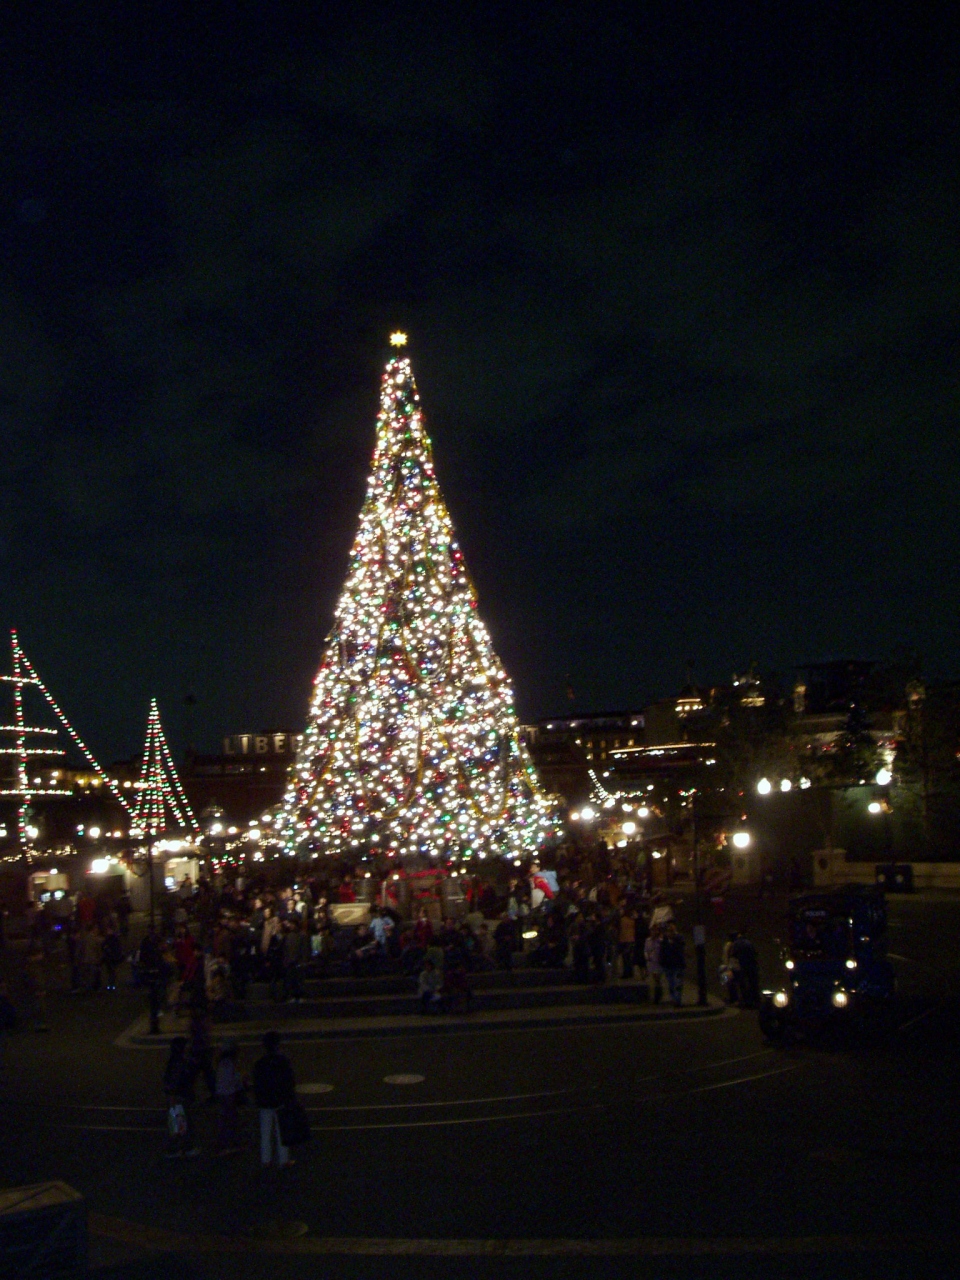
835, 967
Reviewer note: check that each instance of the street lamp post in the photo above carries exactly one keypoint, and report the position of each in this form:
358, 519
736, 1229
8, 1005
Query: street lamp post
153, 967
150, 873
699, 932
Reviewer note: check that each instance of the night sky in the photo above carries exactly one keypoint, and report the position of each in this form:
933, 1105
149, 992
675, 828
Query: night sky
684, 311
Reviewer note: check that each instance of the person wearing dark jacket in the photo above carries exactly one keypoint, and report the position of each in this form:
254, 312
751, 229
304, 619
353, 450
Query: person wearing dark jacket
111, 956
178, 1085
745, 953
273, 1088
673, 962
505, 942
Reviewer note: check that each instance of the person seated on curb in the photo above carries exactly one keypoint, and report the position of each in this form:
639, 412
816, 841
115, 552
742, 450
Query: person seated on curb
456, 990
428, 988
378, 928
505, 941
411, 953
364, 952
423, 930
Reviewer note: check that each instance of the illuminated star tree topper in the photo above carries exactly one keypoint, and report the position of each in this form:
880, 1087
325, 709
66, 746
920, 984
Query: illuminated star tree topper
412, 742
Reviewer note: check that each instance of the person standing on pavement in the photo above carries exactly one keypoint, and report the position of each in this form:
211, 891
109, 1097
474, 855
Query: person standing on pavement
628, 940
111, 956
641, 933
230, 1086
178, 1086
296, 956
651, 957
200, 1052
597, 941
744, 953
673, 963
662, 913
35, 985
273, 1087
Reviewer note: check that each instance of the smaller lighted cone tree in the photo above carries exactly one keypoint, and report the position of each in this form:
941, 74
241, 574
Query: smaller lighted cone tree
162, 805
412, 742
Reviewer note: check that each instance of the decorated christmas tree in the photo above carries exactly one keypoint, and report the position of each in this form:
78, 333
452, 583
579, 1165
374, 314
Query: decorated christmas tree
412, 740
162, 806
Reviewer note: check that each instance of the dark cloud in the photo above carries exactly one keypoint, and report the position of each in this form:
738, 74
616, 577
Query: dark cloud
685, 317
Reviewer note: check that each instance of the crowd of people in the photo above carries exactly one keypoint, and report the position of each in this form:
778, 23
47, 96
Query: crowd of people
216, 937
272, 1085
215, 941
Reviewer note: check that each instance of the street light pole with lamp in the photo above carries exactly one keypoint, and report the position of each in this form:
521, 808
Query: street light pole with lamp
883, 779
699, 930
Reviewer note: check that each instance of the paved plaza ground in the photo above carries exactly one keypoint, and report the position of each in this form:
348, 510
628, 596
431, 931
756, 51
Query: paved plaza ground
642, 1146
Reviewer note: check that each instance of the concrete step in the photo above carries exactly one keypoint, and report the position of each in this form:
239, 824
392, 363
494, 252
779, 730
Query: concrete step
386, 1004
399, 983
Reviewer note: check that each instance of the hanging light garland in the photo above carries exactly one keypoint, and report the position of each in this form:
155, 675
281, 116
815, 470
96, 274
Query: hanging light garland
412, 742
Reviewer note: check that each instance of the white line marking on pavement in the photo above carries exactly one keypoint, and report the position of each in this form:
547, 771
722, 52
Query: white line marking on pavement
96, 1106
455, 1102
762, 1075
113, 1128
679, 1094
918, 1018
316, 1086
349, 1128
143, 1236
728, 1062
404, 1077
436, 1124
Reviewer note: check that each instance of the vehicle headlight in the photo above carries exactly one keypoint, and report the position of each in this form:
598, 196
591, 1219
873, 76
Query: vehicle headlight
781, 999
789, 965
851, 964
840, 999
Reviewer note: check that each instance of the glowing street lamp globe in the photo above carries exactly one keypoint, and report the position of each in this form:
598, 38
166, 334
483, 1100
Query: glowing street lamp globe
764, 786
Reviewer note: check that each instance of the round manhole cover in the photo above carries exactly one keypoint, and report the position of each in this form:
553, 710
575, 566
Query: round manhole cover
407, 1077
315, 1086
